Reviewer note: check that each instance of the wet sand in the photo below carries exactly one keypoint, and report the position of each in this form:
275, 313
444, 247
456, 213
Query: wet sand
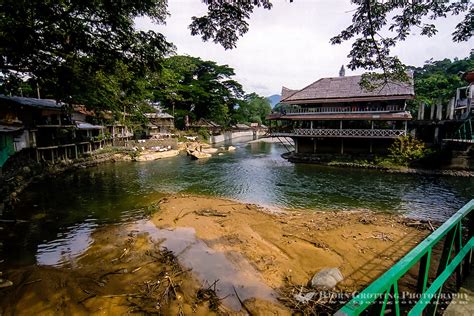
295, 244
191, 244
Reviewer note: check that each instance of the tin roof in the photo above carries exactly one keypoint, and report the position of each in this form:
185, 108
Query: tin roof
9, 128
32, 102
159, 115
85, 126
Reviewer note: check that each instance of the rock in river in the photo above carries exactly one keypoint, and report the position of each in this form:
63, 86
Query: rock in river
199, 155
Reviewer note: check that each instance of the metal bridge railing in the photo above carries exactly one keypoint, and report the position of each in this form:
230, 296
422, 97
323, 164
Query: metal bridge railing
465, 131
385, 289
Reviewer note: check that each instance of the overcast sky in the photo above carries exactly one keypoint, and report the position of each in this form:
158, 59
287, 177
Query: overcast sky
289, 44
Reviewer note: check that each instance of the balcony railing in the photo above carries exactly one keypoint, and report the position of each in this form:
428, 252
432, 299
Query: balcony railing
350, 133
344, 109
463, 103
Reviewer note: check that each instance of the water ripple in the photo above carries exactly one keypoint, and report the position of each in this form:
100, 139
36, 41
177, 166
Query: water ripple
255, 173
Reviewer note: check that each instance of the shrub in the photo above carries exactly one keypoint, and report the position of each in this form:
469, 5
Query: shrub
407, 149
204, 134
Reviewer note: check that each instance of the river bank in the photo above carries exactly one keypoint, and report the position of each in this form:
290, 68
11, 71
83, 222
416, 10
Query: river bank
23, 171
404, 170
344, 162
195, 249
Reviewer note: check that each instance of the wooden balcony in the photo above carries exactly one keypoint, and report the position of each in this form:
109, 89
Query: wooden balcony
344, 109
346, 133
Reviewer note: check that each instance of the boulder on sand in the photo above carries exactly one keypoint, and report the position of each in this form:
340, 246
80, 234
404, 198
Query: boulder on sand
326, 279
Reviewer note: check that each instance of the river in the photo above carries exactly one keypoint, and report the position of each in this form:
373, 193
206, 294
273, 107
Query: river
61, 212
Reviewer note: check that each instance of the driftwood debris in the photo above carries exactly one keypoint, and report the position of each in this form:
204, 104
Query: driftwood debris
382, 236
209, 294
317, 244
179, 216
241, 302
210, 212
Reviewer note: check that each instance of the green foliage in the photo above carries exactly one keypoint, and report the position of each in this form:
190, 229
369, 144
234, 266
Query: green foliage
394, 19
438, 80
134, 154
197, 88
252, 109
16, 85
84, 52
118, 89
387, 162
46, 34
407, 149
204, 134
67, 47
225, 21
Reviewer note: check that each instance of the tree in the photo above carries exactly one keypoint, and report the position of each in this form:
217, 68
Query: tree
252, 109
438, 80
225, 21
371, 30
197, 88
71, 41
64, 45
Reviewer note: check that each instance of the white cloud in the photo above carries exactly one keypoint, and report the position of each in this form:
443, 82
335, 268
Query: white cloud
289, 45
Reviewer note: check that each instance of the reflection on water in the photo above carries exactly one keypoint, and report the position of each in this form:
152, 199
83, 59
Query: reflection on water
209, 265
73, 203
65, 249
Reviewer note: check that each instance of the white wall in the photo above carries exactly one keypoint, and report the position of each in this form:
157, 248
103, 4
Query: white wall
227, 136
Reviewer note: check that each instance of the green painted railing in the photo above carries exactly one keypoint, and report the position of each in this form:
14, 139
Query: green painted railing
465, 131
374, 299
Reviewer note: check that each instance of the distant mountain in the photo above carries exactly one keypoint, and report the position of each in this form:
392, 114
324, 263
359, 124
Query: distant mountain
274, 99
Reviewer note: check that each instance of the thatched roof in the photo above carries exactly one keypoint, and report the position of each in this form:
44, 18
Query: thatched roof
346, 89
285, 92
205, 123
